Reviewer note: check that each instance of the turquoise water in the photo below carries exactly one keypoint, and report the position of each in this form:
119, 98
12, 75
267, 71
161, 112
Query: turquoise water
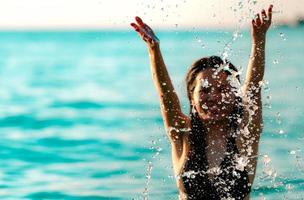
80, 116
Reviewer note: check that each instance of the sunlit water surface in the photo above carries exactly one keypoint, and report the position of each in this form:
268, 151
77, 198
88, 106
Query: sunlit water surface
80, 116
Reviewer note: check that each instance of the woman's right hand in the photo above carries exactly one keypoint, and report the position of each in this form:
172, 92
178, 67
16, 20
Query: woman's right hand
145, 32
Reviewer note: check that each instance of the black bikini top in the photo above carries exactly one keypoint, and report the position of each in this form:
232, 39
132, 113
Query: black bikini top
230, 181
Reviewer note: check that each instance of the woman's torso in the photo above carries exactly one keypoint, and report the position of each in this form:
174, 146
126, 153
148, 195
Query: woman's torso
195, 178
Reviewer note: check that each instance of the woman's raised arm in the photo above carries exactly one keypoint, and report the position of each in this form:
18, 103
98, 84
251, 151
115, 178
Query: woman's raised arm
173, 117
252, 85
256, 65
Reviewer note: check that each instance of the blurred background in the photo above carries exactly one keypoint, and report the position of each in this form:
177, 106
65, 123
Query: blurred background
80, 117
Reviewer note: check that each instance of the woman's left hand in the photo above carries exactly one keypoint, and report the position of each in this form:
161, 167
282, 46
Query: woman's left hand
261, 23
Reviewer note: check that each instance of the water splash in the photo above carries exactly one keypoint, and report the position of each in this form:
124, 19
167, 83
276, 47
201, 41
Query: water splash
241, 163
205, 83
278, 118
148, 178
282, 35
200, 41
275, 61
266, 159
261, 197
265, 85
268, 171
268, 102
289, 187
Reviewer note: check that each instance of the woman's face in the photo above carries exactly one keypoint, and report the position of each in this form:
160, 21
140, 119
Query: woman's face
213, 96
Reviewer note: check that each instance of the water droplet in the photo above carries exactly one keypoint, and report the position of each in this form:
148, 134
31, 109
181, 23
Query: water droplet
268, 102
205, 83
288, 187
282, 35
278, 118
275, 61
270, 172
261, 197
266, 89
148, 177
266, 159
159, 149
292, 152
200, 42
235, 35
204, 106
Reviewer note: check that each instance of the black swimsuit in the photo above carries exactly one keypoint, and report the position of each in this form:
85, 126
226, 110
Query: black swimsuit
229, 183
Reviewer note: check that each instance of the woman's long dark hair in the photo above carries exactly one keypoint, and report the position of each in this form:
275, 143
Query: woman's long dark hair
198, 130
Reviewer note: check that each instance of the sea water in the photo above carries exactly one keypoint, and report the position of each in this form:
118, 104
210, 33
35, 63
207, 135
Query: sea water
80, 117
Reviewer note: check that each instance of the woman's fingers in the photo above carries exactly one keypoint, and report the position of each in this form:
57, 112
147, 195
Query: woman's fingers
258, 20
140, 26
253, 23
139, 21
144, 26
136, 28
144, 31
270, 12
264, 16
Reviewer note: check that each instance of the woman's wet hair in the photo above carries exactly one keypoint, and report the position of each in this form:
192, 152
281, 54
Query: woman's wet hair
205, 63
197, 127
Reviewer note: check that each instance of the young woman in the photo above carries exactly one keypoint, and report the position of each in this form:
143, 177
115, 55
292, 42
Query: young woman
215, 148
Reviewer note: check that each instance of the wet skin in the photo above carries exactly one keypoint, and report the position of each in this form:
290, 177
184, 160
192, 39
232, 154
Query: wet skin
213, 96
